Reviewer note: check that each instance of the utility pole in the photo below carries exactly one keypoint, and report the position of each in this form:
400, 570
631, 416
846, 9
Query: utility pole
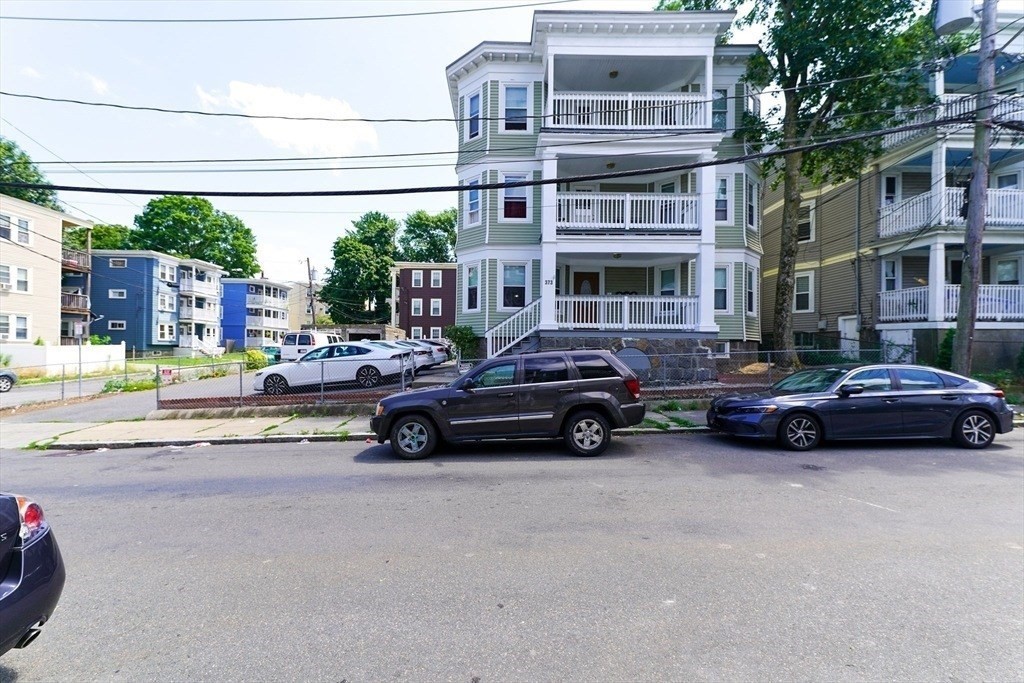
311, 295
977, 197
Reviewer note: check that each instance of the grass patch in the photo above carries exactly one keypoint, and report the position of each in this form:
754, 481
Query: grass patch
116, 386
182, 362
671, 406
681, 421
653, 424
270, 429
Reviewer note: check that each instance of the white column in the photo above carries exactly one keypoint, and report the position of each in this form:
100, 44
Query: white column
709, 89
548, 243
550, 111
937, 281
706, 258
938, 190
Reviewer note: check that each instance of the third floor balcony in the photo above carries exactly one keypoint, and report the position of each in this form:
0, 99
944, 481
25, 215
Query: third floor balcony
629, 110
627, 212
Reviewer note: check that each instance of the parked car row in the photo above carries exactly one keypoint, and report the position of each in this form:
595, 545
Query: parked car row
581, 395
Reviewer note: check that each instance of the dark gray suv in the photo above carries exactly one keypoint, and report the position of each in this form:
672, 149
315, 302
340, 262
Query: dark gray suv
579, 396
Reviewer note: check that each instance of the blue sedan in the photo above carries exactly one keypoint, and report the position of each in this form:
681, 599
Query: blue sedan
866, 402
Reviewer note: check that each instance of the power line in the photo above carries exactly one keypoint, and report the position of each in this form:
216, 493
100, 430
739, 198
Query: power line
254, 20
502, 185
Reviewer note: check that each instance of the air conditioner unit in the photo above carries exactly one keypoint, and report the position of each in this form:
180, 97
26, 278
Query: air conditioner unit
4, 286
3, 336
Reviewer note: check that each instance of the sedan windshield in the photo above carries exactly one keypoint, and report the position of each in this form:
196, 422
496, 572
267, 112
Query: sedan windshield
809, 381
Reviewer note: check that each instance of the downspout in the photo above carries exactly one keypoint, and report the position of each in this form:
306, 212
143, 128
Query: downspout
856, 253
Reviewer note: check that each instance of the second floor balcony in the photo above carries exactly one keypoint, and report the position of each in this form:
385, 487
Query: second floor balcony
1005, 209
627, 212
263, 300
629, 110
188, 285
74, 302
199, 314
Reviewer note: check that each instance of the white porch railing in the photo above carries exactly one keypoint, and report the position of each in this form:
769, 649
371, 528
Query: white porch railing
995, 302
513, 329
262, 300
627, 312
1006, 107
642, 212
629, 111
201, 314
903, 305
188, 285
1004, 208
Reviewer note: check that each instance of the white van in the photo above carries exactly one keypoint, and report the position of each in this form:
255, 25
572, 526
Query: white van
297, 344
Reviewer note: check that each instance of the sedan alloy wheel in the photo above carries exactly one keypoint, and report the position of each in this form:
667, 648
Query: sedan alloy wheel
799, 433
974, 429
368, 376
275, 385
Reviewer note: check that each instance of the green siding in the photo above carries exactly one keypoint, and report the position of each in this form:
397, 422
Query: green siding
475, 149
731, 326
622, 280
513, 144
513, 233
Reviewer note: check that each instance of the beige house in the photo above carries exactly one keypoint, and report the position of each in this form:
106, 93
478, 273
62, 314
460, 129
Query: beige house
32, 264
302, 309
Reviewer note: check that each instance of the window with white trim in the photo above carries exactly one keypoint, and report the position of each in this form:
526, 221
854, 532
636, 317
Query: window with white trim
118, 262
890, 190
751, 290
435, 332
1007, 181
13, 327
417, 307
471, 293
473, 125
720, 108
751, 205
435, 307
435, 279
803, 293
722, 283
5, 226
417, 333
513, 285
166, 302
515, 99
1007, 271
117, 294
24, 236
805, 223
890, 275
515, 201
417, 278
165, 332
117, 325
667, 282
5, 276
21, 280
168, 273
719, 349
722, 200
473, 203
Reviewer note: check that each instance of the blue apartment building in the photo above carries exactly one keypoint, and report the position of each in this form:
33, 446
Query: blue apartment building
157, 303
255, 312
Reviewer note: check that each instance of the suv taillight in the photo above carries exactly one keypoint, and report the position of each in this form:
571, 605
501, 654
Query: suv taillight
633, 386
33, 522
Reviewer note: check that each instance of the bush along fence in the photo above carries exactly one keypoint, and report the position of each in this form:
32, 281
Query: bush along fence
341, 381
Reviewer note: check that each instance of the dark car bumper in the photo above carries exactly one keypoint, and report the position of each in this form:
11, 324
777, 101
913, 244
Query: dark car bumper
31, 589
1005, 422
633, 414
752, 425
378, 427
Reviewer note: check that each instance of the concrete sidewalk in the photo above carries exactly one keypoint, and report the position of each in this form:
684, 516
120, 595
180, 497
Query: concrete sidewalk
235, 430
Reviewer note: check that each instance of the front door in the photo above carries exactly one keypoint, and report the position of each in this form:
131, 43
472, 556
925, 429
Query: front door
849, 337
490, 407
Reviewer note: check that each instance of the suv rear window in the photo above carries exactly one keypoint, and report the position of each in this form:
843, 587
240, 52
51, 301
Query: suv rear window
540, 370
593, 366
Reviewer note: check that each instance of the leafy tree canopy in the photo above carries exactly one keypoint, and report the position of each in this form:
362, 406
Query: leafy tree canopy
190, 227
359, 282
428, 237
17, 167
103, 237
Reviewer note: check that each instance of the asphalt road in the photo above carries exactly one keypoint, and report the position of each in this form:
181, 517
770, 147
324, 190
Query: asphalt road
671, 557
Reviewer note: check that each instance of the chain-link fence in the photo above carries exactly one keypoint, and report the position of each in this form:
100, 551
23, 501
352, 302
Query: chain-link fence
41, 383
330, 380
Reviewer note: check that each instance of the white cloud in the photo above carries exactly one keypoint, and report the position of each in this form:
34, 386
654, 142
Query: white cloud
98, 85
307, 137
29, 72
282, 262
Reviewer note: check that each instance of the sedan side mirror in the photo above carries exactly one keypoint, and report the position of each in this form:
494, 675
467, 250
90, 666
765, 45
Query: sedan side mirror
467, 384
850, 389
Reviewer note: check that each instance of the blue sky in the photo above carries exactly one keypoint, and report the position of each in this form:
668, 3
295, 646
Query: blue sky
374, 68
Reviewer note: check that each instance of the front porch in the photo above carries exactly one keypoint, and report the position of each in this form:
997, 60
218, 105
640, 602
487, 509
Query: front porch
996, 303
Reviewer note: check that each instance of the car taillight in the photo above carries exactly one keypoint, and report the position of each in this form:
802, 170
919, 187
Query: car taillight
33, 522
999, 393
633, 386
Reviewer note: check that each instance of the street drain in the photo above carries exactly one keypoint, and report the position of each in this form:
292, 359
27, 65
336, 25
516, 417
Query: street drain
811, 467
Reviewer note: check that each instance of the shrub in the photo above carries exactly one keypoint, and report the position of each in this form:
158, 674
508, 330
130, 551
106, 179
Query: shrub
5, 359
1002, 379
464, 339
255, 359
944, 358
123, 385
99, 340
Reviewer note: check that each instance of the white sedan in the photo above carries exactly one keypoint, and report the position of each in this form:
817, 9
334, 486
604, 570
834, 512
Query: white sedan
353, 364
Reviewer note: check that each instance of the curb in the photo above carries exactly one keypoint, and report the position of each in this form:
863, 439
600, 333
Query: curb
295, 438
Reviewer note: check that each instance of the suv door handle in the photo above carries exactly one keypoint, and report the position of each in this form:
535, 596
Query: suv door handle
890, 400
949, 397
566, 390
508, 395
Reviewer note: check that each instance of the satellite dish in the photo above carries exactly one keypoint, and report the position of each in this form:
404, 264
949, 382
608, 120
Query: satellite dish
953, 16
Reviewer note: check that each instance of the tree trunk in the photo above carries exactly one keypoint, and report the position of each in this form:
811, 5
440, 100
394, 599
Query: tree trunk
782, 335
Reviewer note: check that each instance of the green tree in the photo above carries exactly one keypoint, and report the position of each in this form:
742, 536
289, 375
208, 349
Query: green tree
842, 68
191, 228
428, 237
103, 237
359, 282
17, 167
